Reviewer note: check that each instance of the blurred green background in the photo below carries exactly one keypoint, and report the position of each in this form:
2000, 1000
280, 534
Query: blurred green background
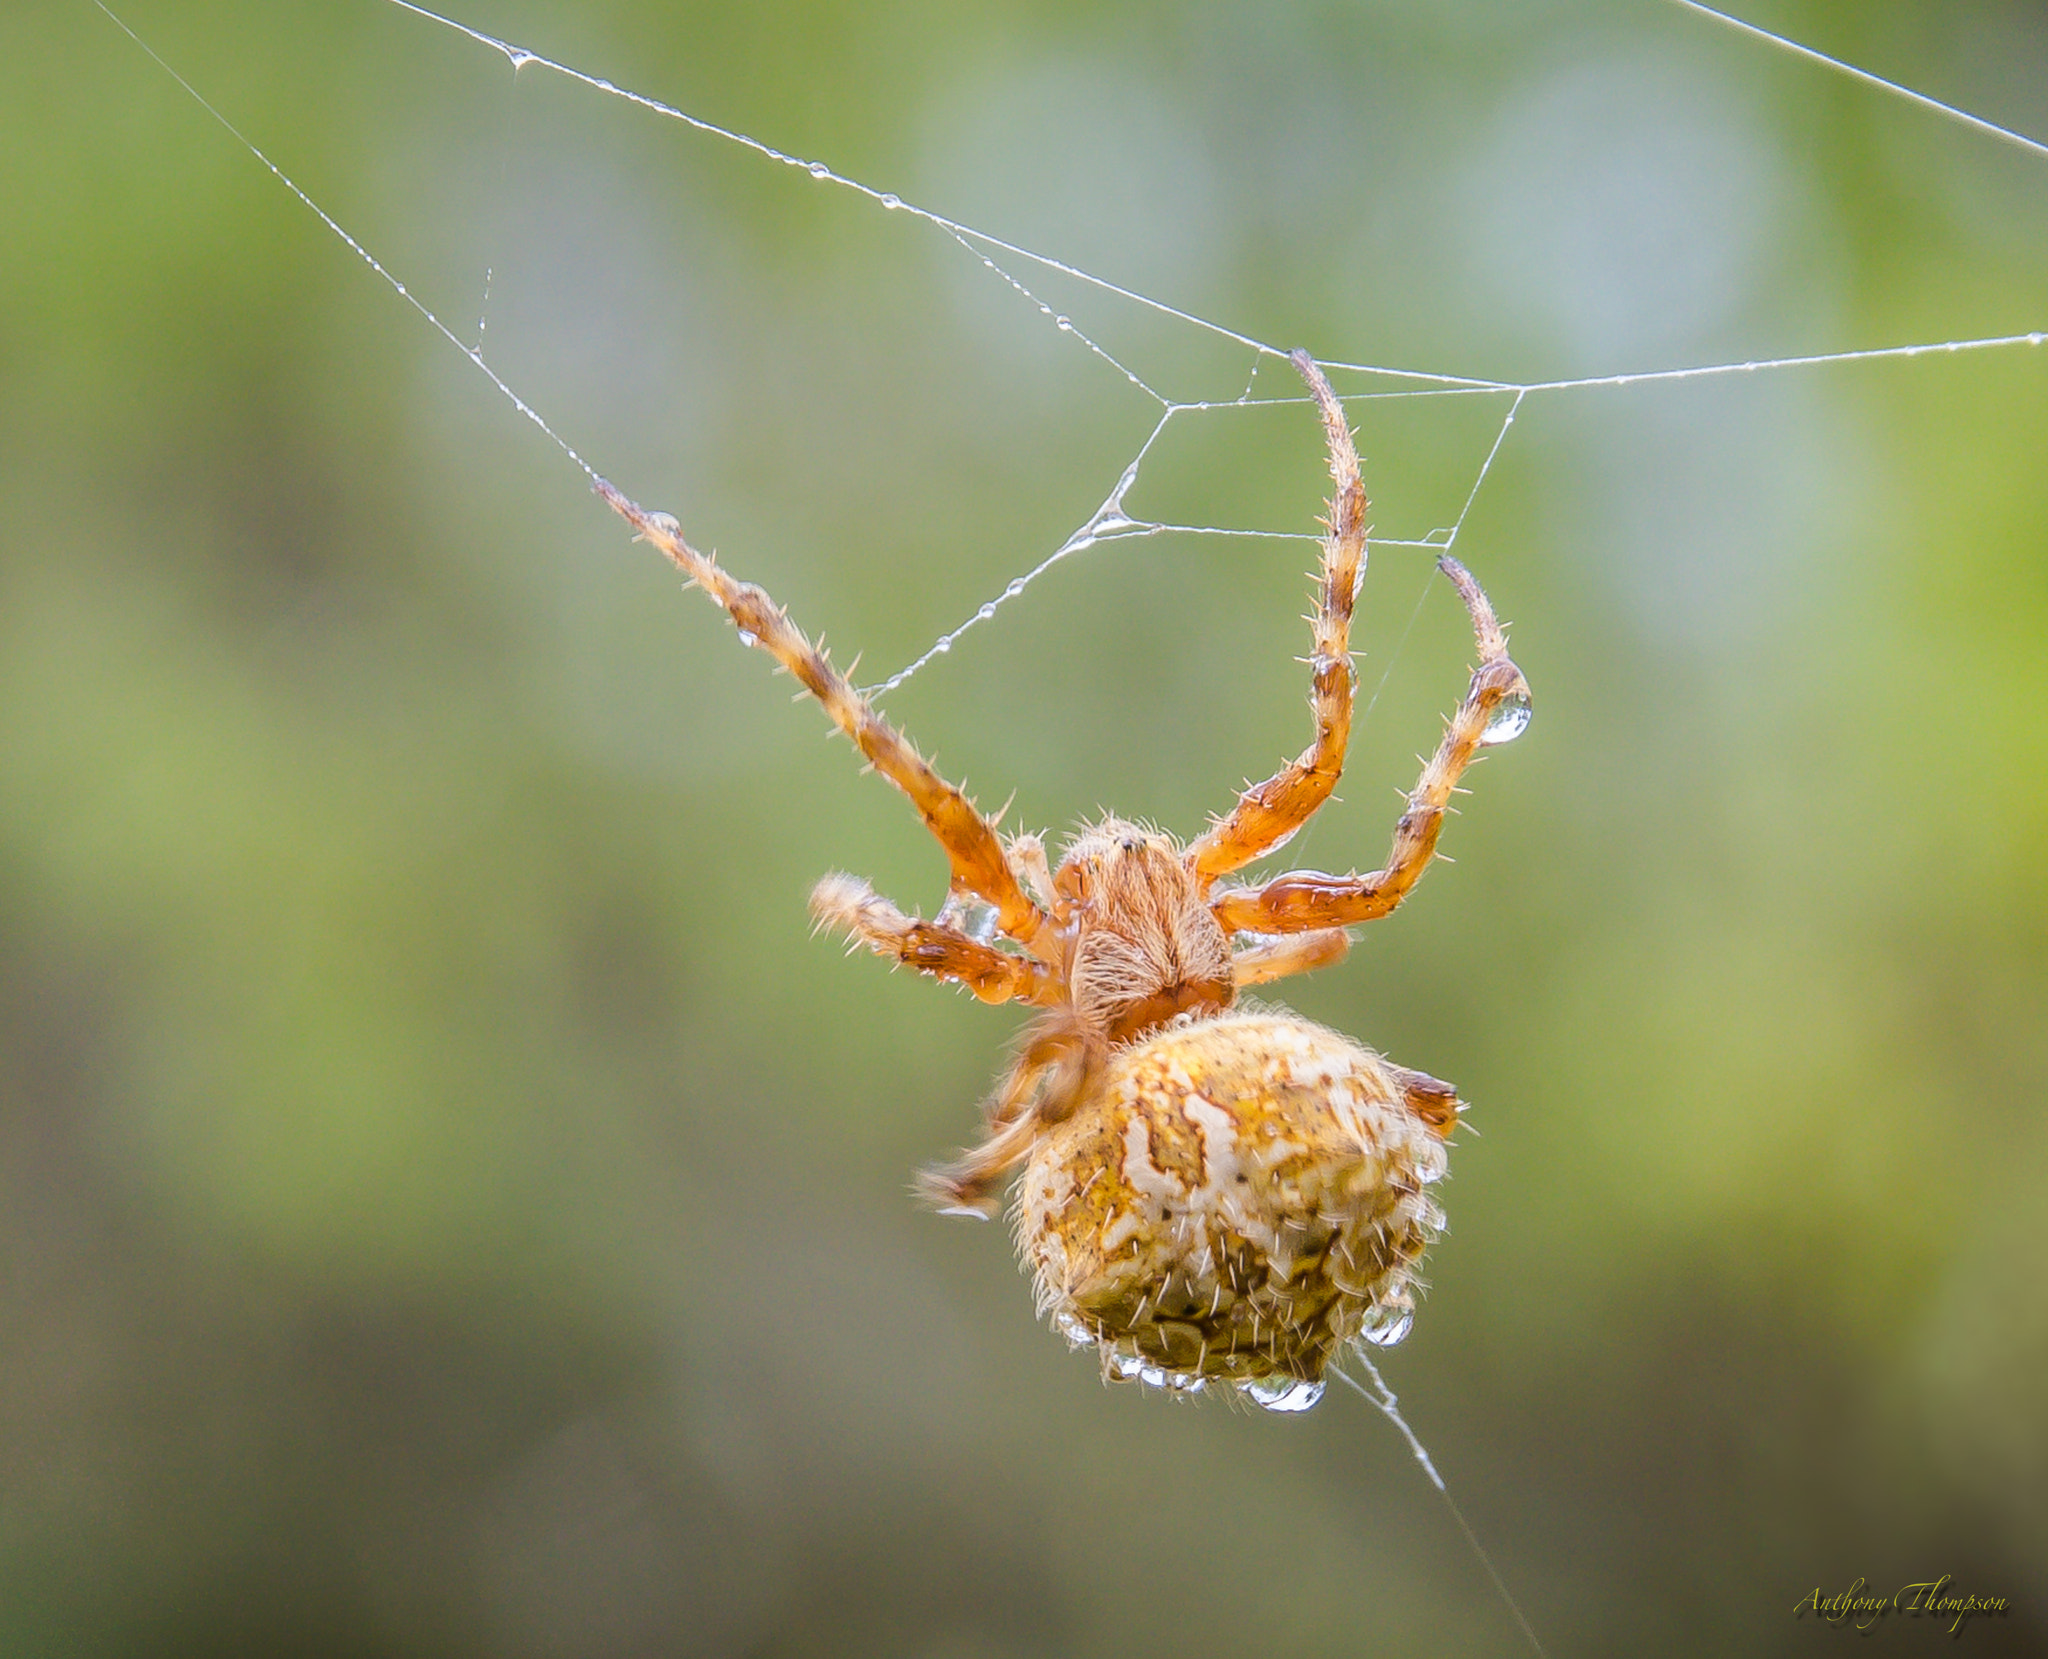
453, 1207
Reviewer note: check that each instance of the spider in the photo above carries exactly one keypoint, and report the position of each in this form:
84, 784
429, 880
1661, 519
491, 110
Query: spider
1213, 1191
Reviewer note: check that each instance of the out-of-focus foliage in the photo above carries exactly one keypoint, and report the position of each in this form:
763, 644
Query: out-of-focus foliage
452, 1207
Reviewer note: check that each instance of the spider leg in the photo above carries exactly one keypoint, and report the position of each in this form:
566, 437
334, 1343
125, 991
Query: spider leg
1297, 953
853, 907
1267, 814
1431, 1099
1027, 855
967, 1186
1302, 900
970, 841
1057, 1066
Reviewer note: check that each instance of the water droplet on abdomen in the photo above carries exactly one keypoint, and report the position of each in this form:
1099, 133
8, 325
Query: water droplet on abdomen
1282, 1393
1387, 1324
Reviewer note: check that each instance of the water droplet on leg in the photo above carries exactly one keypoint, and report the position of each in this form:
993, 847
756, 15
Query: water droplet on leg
1509, 721
973, 917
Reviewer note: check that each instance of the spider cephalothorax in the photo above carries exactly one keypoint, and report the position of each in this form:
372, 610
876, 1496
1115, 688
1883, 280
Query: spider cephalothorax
1210, 1191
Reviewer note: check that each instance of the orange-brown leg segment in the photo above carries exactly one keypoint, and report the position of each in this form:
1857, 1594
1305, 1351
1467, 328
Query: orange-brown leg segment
1495, 708
1432, 1100
1267, 813
1297, 953
853, 907
1058, 1066
970, 1184
970, 841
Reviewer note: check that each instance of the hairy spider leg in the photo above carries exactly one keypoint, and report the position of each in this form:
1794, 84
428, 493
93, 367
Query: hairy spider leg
972, 847
1302, 900
1057, 1065
853, 907
1297, 953
1267, 814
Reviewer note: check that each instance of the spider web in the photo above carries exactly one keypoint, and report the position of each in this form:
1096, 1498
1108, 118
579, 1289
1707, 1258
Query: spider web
1033, 277
1066, 298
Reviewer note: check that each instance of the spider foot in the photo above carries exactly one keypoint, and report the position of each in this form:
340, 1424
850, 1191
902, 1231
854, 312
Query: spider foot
952, 1189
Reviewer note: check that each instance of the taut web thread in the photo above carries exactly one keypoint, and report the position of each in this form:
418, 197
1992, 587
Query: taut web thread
1002, 258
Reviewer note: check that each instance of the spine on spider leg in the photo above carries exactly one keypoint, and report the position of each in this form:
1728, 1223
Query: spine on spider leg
971, 843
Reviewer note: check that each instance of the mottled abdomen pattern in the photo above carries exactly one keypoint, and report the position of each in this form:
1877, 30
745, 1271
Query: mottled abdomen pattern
1241, 1197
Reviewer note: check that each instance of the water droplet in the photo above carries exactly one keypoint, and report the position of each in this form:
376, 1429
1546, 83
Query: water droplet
987, 613
972, 917
1016, 587
820, 171
1064, 324
1073, 1330
749, 640
1509, 721
891, 200
1282, 1393
944, 645
1387, 1324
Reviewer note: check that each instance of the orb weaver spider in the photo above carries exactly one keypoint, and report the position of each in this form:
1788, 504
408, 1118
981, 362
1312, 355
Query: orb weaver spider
1211, 1191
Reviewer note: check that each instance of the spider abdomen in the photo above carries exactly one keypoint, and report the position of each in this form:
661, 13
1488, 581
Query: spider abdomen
1239, 1198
